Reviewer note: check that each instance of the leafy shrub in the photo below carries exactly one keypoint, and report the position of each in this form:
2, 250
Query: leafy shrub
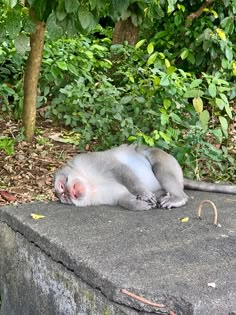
11, 78
159, 92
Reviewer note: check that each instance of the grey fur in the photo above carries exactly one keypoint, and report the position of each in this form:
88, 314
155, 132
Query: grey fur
134, 177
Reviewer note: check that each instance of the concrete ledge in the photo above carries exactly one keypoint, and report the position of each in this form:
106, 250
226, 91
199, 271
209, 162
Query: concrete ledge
77, 260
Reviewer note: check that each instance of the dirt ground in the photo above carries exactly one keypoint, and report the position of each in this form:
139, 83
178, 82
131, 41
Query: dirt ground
27, 174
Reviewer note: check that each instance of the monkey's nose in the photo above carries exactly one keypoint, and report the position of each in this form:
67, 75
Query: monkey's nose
76, 190
74, 194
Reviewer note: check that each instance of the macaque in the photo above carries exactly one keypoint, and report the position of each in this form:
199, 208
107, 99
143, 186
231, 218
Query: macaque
132, 176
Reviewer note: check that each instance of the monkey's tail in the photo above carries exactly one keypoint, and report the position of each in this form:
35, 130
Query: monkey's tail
211, 187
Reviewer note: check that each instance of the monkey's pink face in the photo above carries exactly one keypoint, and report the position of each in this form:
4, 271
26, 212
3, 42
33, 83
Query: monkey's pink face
69, 190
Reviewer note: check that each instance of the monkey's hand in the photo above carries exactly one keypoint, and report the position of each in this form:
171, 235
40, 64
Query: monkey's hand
148, 197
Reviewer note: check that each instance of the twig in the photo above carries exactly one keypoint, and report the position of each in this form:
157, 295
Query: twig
196, 14
145, 301
214, 207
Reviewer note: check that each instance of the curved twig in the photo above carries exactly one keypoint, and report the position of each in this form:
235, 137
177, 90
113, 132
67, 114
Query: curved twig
214, 207
145, 301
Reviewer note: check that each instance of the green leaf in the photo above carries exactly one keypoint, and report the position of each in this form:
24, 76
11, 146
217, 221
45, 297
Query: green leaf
164, 119
195, 83
119, 6
86, 18
152, 58
60, 10
225, 63
150, 48
218, 134
229, 53
220, 103
193, 93
62, 65
13, 23
165, 80
167, 63
224, 125
73, 69
228, 24
43, 8
71, 6
53, 29
126, 99
226, 105
166, 103
166, 137
140, 43
184, 54
12, 3
175, 118
204, 119
118, 116
224, 98
212, 90
171, 5
170, 70
22, 44
198, 104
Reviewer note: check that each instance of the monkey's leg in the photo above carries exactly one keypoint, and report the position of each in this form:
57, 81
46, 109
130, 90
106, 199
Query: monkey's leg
126, 177
170, 176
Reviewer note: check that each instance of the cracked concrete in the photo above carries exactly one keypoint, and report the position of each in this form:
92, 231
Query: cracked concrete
78, 260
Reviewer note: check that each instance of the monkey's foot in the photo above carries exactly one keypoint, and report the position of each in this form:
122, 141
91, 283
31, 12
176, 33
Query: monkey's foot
132, 203
149, 198
170, 201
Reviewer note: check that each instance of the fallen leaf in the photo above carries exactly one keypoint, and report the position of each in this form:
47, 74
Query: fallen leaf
37, 216
184, 219
7, 196
212, 285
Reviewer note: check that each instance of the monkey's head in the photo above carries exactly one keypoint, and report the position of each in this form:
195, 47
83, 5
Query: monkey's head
69, 186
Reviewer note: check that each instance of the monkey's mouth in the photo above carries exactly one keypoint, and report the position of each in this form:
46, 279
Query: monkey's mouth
64, 197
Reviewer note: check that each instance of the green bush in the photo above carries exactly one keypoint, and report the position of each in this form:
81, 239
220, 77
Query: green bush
159, 92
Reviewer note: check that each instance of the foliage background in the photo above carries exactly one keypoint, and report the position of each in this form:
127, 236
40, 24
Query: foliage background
174, 89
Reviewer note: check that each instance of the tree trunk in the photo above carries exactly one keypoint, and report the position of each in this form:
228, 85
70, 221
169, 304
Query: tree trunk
125, 31
31, 79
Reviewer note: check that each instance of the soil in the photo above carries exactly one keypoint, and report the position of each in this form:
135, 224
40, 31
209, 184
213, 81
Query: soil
27, 174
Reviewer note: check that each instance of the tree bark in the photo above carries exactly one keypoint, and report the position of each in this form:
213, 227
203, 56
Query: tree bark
31, 79
196, 14
125, 31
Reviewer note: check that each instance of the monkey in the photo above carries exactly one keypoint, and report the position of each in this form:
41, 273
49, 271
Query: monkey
135, 177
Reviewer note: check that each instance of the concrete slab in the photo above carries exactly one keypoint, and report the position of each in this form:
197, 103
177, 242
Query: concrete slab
189, 268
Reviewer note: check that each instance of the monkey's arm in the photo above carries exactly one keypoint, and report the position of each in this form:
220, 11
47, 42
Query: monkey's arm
125, 176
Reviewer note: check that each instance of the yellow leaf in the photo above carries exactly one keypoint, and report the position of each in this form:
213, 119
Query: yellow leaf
167, 63
184, 219
234, 68
37, 216
221, 33
198, 104
150, 48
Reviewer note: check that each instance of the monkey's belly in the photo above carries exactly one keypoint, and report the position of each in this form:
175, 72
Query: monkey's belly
108, 193
148, 179
141, 167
